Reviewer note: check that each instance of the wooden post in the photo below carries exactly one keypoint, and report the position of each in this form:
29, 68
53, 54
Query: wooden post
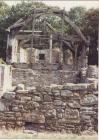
84, 57
98, 40
61, 45
31, 50
75, 58
18, 54
50, 48
7, 53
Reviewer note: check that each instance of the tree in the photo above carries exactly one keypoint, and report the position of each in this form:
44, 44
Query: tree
91, 30
3, 12
87, 20
77, 15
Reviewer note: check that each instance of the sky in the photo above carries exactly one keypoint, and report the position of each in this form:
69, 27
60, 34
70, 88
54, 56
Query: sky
67, 4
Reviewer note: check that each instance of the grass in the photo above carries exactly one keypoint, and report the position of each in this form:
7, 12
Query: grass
2, 61
45, 135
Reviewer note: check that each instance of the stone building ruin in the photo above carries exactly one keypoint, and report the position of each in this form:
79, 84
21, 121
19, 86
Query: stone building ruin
41, 43
49, 51
59, 91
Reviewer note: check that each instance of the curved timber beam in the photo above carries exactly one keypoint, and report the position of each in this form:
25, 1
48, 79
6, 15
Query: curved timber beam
61, 37
43, 11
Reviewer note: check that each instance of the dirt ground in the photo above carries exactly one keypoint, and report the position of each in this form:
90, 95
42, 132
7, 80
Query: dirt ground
46, 135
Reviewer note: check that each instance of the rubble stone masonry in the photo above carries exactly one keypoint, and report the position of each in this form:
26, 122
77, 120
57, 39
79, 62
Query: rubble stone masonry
66, 108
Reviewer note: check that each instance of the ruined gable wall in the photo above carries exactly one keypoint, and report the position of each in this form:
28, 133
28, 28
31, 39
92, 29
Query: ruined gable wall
66, 108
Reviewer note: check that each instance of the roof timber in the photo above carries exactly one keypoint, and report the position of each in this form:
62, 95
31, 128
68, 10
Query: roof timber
36, 46
68, 45
56, 36
23, 37
61, 37
38, 12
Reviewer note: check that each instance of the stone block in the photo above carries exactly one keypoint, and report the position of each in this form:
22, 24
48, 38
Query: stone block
93, 86
9, 113
31, 105
10, 126
19, 118
75, 87
34, 117
22, 91
92, 113
2, 106
89, 100
31, 89
10, 122
76, 96
19, 123
47, 98
66, 93
58, 102
50, 113
60, 115
73, 104
59, 110
9, 96
1, 114
39, 88
95, 93
47, 89
71, 116
18, 114
20, 87
2, 123
87, 111
15, 108
85, 118
17, 102
57, 94
55, 91
50, 93
12, 118
25, 98
36, 98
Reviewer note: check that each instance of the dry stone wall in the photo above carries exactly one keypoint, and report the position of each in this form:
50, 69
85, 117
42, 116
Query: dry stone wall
42, 75
65, 108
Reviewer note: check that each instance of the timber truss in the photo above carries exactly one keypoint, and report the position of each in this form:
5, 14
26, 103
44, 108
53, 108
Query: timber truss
39, 12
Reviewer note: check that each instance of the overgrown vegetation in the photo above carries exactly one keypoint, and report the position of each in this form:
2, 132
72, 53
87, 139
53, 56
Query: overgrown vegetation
19, 134
87, 20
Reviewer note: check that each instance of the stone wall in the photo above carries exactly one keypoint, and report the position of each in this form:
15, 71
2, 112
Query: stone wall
5, 78
65, 108
42, 74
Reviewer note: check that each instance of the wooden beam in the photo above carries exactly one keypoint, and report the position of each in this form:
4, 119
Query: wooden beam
29, 36
7, 54
50, 49
76, 29
61, 43
36, 46
56, 34
49, 25
39, 11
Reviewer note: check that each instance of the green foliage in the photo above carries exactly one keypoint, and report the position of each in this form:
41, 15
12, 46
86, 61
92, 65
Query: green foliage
77, 15
91, 30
